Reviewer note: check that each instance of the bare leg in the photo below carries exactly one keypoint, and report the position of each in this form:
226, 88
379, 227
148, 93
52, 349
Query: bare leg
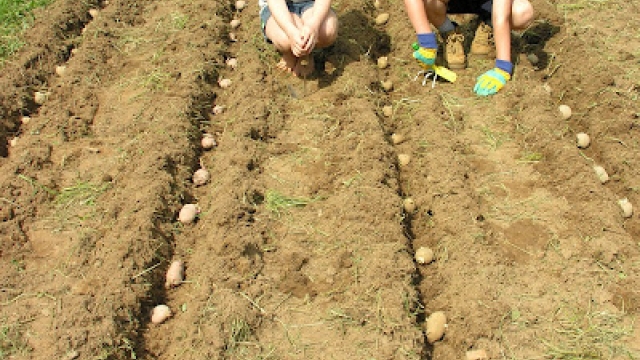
328, 31
327, 34
283, 45
436, 11
521, 14
288, 62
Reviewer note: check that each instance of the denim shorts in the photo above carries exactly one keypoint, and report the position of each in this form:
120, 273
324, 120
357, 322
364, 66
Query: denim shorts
297, 8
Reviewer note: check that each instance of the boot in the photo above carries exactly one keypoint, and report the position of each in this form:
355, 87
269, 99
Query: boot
482, 44
455, 51
462, 19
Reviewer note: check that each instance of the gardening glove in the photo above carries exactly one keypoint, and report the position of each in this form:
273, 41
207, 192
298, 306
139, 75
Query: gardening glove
495, 79
425, 57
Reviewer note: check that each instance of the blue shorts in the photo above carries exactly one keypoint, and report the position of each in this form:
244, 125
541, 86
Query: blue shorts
295, 8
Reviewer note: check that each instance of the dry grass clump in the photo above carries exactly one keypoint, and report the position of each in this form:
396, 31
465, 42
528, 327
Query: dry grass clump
580, 334
278, 203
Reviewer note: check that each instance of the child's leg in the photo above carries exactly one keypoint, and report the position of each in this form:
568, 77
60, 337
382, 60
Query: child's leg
521, 14
436, 11
328, 31
282, 43
327, 34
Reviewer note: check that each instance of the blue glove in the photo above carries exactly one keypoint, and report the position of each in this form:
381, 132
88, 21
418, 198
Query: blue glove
495, 79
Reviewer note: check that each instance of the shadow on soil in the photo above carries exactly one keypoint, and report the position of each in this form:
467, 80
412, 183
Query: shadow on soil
356, 31
533, 42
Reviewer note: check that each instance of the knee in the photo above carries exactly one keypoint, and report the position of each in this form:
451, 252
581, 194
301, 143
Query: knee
432, 3
522, 14
279, 39
281, 43
329, 31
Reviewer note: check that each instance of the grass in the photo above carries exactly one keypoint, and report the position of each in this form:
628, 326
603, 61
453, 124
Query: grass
179, 21
81, 194
494, 139
583, 335
240, 333
15, 18
155, 81
278, 203
77, 202
11, 341
531, 157
454, 123
37, 187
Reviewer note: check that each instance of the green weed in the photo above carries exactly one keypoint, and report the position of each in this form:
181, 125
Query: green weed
155, 80
531, 157
11, 340
278, 203
81, 194
240, 333
494, 139
76, 203
179, 21
37, 187
15, 17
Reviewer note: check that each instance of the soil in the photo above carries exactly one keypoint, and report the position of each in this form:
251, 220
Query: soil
302, 249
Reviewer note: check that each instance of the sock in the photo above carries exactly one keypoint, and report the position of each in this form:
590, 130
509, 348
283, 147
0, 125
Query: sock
488, 6
505, 66
428, 40
447, 26
485, 14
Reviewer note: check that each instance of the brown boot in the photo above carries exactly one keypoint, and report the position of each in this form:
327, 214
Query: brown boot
455, 51
482, 44
462, 19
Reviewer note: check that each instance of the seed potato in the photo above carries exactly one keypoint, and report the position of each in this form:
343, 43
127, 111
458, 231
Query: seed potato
201, 177
387, 110
224, 83
160, 313
61, 70
175, 274
232, 63
424, 255
436, 324
208, 141
382, 19
397, 138
479, 354
387, 85
40, 97
565, 111
409, 205
383, 62
601, 173
627, 208
404, 159
583, 140
188, 213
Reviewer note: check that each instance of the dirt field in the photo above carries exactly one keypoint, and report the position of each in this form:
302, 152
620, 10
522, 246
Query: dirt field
302, 249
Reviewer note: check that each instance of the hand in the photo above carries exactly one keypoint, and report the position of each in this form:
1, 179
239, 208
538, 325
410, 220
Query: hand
309, 39
298, 40
491, 82
425, 57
